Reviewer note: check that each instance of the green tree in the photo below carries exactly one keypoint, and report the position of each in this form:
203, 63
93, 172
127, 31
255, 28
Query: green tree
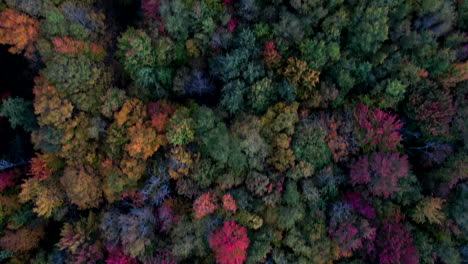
19, 112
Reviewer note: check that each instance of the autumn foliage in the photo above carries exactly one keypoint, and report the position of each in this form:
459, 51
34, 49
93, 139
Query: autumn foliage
18, 30
380, 172
379, 129
231, 132
230, 243
205, 204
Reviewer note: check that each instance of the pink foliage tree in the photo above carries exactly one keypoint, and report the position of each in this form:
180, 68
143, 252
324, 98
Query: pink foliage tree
117, 256
359, 204
7, 180
379, 129
380, 172
395, 243
230, 243
150, 8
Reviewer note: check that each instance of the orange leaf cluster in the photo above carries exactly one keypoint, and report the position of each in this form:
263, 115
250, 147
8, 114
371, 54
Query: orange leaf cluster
458, 74
144, 141
18, 30
39, 168
75, 47
229, 203
205, 204
337, 144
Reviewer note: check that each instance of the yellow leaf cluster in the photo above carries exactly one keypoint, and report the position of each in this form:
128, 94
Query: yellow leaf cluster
302, 77
82, 186
51, 108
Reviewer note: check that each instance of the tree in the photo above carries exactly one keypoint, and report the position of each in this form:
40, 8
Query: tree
205, 204
117, 256
7, 179
380, 172
181, 130
135, 51
83, 186
429, 210
137, 230
230, 243
144, 141
271, 56
395, 243
47, 195
261, 95
74, 48
22, 240
78, 240
112, 101
319, 53
229, 203
378, 129
52, 109
368, 29
79, 137
79, 79
132, 112
282, 156
309, 145
350, 231
20, 31
19, 112
302, 77
40, 168
433, 110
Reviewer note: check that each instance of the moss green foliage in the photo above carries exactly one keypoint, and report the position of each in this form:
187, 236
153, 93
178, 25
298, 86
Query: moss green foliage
309, 145
19, 112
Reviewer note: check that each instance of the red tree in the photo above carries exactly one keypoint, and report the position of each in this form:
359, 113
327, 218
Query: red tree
7, 179
230, 243
271, 55
395, 243
379, 129
380, 172
117, 256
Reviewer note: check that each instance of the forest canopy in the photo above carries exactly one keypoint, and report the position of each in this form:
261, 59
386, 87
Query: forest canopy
234, 131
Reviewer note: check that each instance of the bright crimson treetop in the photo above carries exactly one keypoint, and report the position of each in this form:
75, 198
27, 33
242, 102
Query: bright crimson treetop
230, 243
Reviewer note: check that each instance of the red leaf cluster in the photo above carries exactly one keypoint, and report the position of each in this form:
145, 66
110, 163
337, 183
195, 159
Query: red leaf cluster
117, 256
150, 8
39, 168
396, 244
7, 180
380, 129
271, 55
160, 113
75, 47
380, 172
230, 243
